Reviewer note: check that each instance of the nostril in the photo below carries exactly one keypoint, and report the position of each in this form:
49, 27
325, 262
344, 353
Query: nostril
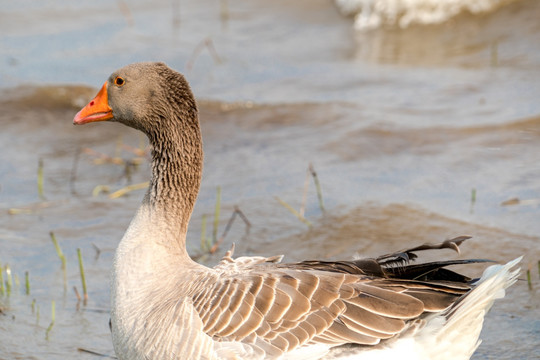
92, 103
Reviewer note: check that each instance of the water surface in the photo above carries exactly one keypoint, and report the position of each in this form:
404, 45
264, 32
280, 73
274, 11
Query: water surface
400, 124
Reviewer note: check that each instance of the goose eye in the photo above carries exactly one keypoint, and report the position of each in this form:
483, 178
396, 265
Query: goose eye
118, 81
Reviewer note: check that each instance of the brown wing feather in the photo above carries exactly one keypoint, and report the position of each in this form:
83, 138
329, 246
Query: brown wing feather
279, 307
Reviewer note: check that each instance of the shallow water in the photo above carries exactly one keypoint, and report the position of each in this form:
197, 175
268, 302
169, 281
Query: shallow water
400, 126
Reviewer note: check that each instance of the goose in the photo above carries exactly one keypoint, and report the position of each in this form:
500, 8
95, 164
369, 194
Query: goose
164, 305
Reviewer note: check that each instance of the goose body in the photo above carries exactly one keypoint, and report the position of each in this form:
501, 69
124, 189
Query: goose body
166, 306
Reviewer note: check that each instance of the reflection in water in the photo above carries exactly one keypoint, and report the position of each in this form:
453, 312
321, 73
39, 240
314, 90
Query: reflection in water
372, 14
470, 41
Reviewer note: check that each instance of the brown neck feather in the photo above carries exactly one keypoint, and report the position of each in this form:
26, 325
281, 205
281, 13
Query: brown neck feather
177, 161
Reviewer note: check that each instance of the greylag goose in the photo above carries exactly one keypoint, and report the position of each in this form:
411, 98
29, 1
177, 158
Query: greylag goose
164, 305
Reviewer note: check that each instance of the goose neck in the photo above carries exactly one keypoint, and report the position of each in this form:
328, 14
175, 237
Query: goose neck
177, 159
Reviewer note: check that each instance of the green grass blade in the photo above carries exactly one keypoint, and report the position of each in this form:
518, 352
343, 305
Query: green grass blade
83, 277
27, 282
40, 179
58, 250
53, 316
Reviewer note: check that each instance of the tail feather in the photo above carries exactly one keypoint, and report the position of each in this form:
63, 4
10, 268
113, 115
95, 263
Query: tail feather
450, 335
455, 334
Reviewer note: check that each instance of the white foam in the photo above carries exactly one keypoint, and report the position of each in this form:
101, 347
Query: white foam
370, 14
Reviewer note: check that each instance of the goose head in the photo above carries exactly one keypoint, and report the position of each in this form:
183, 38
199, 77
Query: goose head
147, 96
153, 98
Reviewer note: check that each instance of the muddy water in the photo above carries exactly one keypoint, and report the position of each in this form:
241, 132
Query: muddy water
400, 124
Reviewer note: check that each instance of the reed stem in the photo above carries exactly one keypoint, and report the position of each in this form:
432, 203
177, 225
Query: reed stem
216, 214
318, 186
127, 189
27, 282
40, 179
53, 316
83, 277
293, 211
58, 250
204, 246
473, 199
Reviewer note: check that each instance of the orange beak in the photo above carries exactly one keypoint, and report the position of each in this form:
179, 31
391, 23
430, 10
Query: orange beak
97, 110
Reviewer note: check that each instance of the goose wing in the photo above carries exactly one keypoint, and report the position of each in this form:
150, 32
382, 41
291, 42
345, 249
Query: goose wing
279, 307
